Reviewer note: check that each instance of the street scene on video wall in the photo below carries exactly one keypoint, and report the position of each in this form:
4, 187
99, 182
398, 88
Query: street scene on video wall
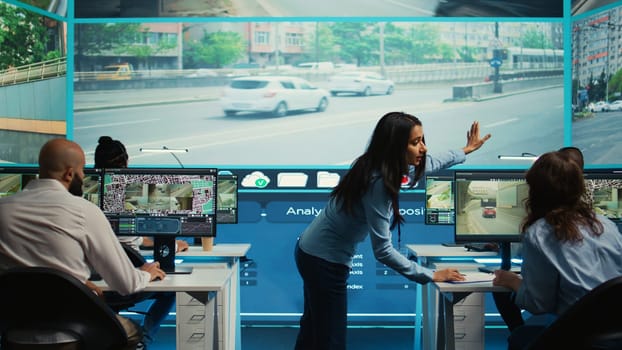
268, 92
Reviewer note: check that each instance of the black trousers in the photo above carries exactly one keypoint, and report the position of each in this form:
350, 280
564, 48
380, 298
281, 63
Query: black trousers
323, 324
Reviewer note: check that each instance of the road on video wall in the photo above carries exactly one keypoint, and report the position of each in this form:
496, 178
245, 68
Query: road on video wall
333, 137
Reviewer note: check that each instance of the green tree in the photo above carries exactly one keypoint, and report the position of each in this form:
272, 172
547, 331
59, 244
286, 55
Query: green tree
214, 50
424, 47
467, 53
396, 45
356, 41
615, 85
535, 39
144, 50
447, 52
319, 45
23, 36
596, 87
93, 39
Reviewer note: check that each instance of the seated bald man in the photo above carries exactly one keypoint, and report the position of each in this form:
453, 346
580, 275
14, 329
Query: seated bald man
81, 237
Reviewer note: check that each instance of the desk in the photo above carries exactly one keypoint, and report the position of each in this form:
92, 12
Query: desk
230, 254
199, 284
441, 302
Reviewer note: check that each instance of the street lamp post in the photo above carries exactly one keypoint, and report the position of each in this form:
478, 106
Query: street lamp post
497, 84
382, 64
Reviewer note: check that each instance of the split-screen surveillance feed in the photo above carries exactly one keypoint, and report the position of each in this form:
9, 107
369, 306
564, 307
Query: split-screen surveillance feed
310, 93
14, 180
92, 185
489, 206
161, 201
159, 194
227, 199
605, 192
439, 196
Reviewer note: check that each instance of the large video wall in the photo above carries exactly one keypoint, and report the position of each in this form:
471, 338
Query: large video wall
177, 75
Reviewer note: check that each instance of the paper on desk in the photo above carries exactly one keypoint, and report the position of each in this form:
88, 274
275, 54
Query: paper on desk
475, 276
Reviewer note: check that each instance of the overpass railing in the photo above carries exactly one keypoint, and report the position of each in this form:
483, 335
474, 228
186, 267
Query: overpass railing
34, 71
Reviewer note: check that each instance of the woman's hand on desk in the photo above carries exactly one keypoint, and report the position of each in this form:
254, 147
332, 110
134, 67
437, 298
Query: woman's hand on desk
154, 270
447, 275
181, 245
507, 279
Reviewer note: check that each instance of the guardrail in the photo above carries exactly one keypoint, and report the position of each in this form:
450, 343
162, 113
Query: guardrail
33, 72
406, 74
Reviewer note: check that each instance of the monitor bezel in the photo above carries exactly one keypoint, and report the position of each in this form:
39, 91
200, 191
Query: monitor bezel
162, 171
443, 176
19, 170
595, 173
219, 219
485, 174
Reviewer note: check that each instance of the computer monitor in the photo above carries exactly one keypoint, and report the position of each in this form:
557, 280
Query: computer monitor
490, 206
163, 203
14, 179
227, 199
604, 188
92, 185
439, 199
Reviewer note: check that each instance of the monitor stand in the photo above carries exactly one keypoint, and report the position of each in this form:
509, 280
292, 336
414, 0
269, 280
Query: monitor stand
506, 259
164, 253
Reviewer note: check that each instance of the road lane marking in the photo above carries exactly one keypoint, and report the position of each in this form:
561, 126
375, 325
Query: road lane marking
416, 8
286, 128
501, 122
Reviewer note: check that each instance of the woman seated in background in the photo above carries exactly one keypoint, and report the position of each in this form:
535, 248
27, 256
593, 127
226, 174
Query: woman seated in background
111, 153
567, 249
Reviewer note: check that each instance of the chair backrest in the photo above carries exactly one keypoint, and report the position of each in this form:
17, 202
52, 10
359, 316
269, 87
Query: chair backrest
593, 322
135, 257
45, 298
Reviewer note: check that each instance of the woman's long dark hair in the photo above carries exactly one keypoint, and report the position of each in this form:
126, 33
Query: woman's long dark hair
386, 155
556, 188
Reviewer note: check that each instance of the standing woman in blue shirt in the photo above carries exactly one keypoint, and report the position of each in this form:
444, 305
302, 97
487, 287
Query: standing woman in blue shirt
365, 202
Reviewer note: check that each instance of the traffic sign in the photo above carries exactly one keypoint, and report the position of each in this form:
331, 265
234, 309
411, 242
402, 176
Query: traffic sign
495, 62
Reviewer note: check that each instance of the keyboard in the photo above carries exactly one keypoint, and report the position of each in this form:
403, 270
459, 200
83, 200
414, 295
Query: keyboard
452, 244
491, 269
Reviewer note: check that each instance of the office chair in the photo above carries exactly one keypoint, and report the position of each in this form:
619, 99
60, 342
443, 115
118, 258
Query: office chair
44, 308
593, 322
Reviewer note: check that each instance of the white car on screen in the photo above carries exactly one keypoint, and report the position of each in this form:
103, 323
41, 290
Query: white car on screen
272, 94
616, 105
600, 106
360, 83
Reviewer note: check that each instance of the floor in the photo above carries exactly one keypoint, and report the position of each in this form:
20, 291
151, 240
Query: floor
368, 338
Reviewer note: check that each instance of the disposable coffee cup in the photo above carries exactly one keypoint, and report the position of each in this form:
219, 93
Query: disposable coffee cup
207, 243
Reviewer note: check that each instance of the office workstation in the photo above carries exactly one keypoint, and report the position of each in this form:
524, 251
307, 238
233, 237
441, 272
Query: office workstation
526, 80
486, 208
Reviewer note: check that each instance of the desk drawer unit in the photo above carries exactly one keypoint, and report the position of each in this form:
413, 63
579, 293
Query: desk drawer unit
469, 322
195, 322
